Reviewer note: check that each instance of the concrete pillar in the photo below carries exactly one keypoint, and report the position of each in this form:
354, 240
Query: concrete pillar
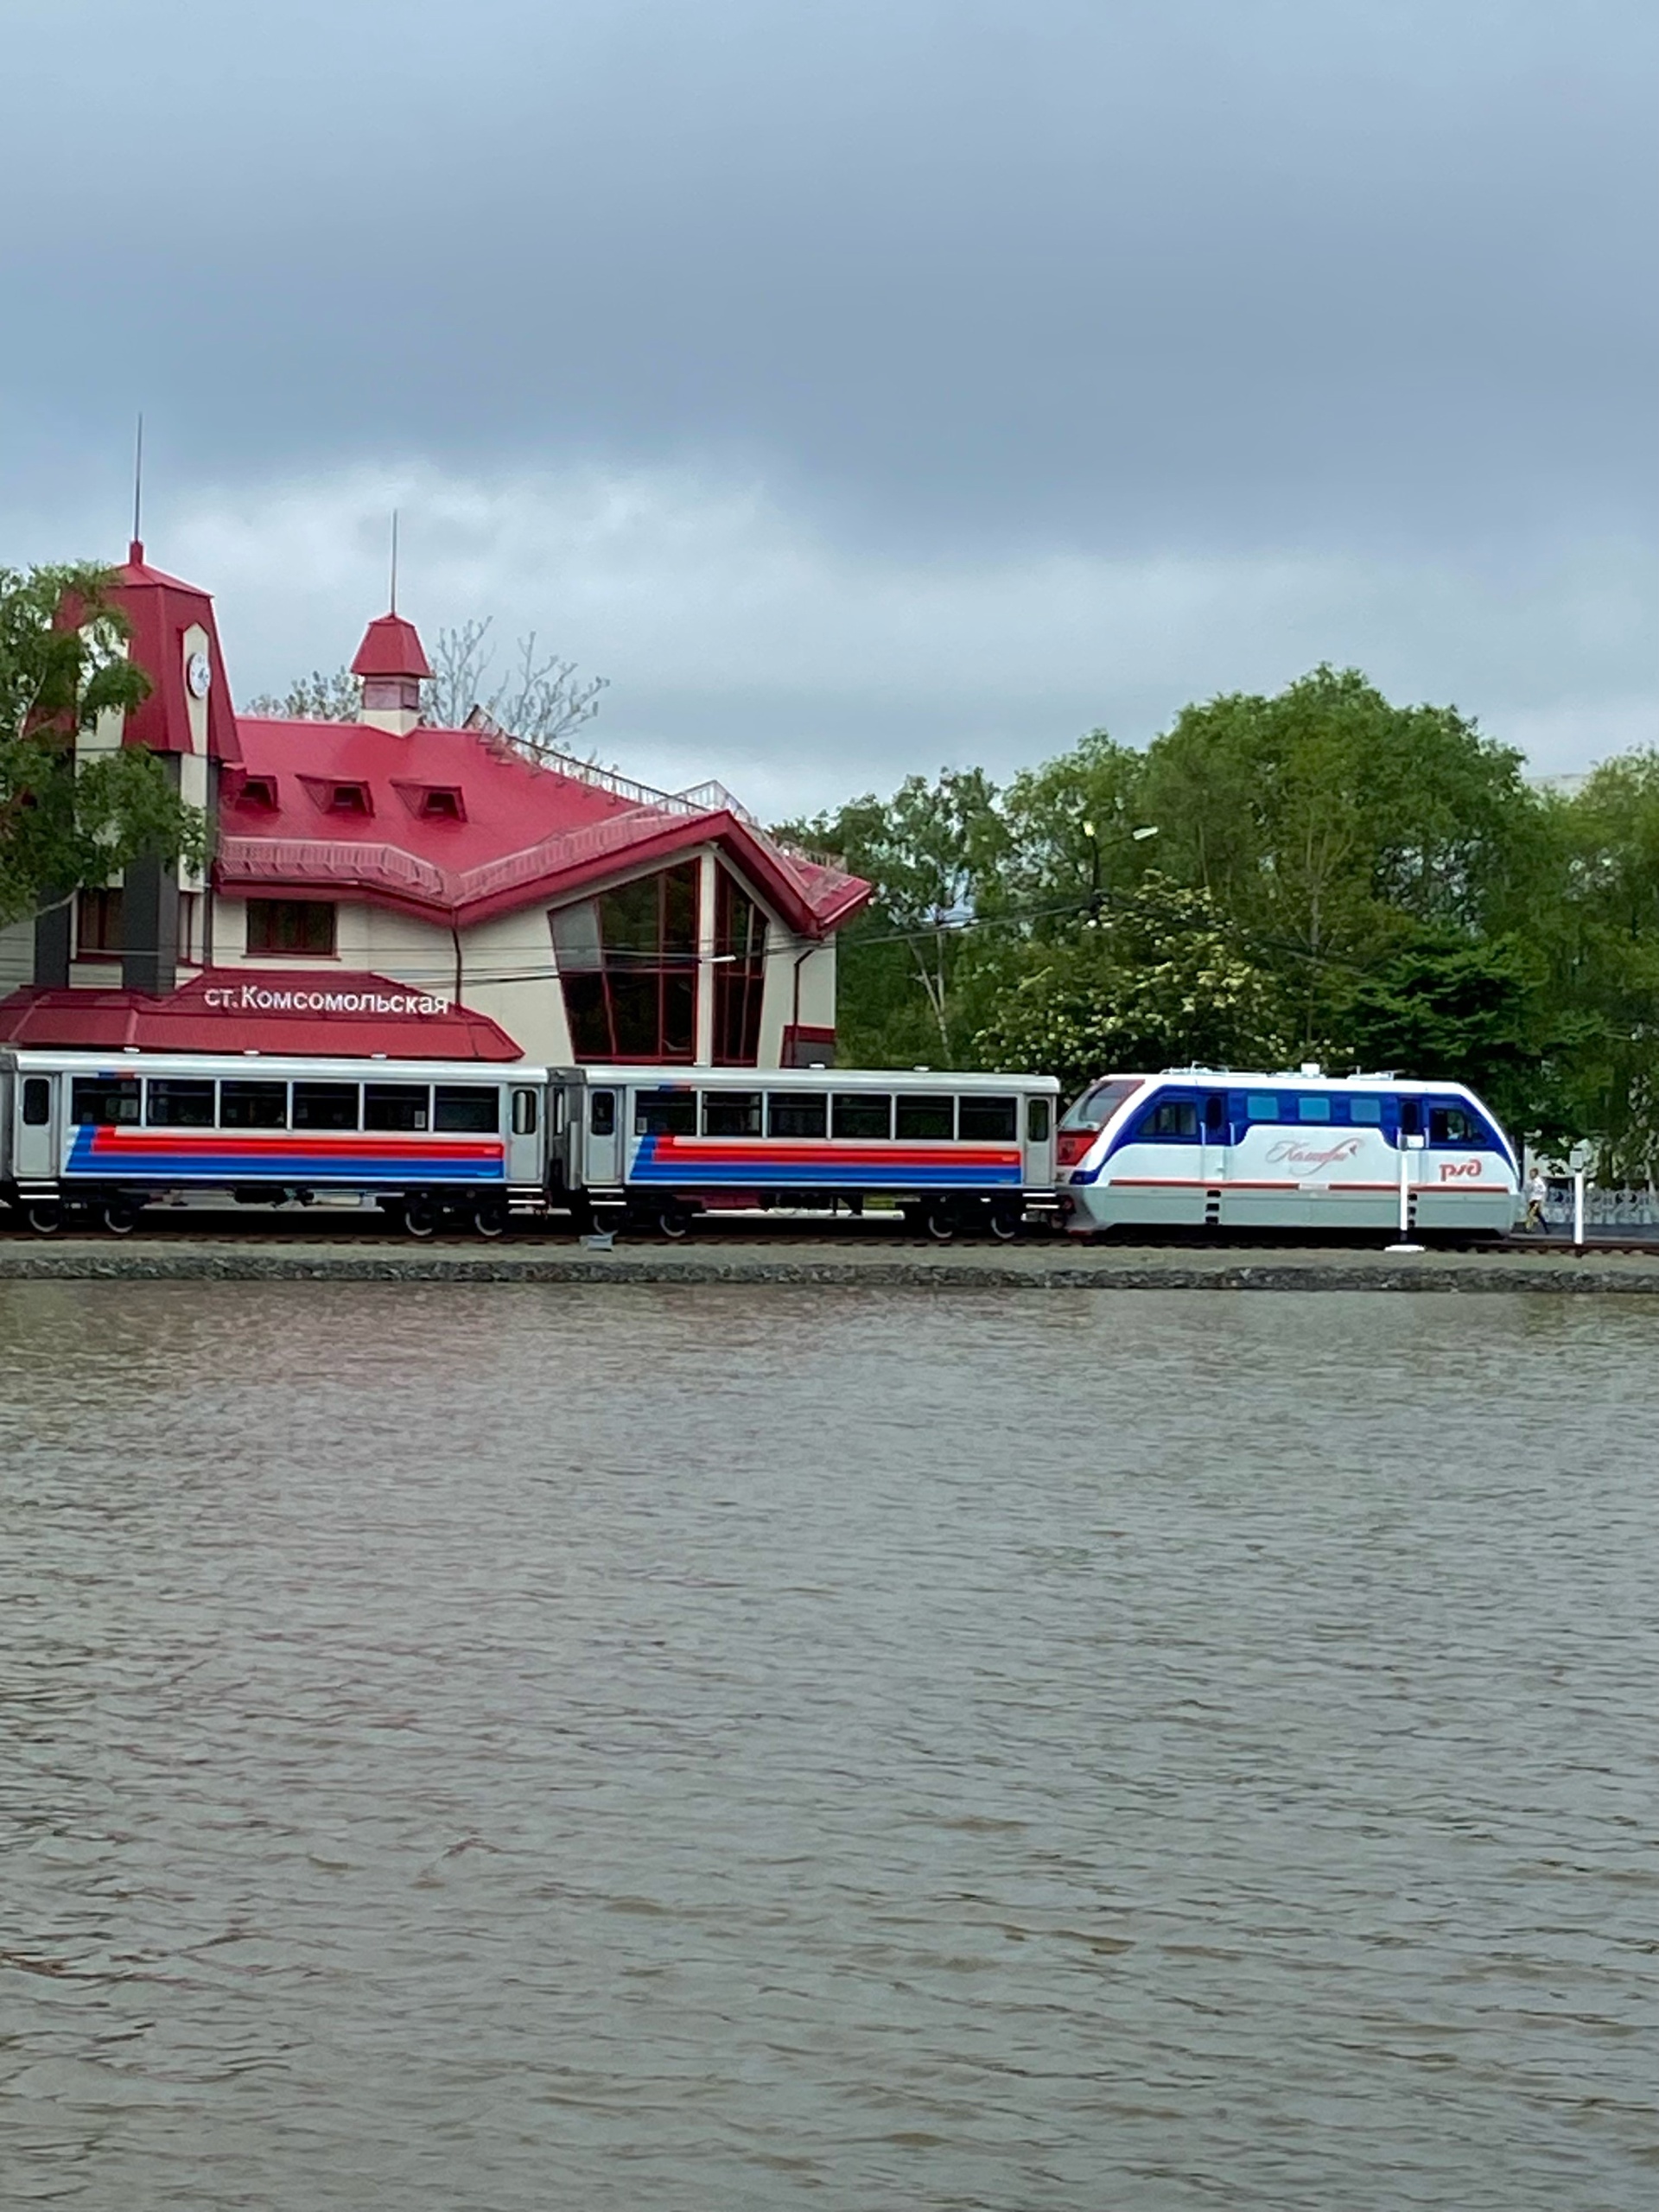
51, 939
149, 919
708, 878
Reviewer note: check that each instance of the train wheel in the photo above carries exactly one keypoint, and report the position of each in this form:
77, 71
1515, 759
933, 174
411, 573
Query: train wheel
420, 1217
672, 1223
120, 1217
46, 1219
1004, 1223
490, 1216
939, 1222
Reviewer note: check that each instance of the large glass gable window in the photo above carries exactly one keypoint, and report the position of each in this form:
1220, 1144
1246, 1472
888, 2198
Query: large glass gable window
740, 974
628, 968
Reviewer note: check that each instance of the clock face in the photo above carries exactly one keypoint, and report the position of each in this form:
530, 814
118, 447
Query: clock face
198, 674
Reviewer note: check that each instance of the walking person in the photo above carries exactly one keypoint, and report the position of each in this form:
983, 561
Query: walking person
1537, 1191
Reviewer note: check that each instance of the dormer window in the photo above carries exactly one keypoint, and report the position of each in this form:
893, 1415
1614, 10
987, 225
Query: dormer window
349, 799
257, 795
433, 802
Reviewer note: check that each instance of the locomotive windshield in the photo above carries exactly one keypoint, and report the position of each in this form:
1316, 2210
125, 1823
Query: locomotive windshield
1096, 1107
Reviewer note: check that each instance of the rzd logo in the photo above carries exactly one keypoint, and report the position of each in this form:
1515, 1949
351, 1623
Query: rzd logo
1452, 1169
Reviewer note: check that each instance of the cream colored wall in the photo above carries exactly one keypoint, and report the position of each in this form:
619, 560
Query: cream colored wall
16, 955
508, 971
779, 1006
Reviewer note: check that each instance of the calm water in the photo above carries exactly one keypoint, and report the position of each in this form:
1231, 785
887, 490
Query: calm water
487, 1750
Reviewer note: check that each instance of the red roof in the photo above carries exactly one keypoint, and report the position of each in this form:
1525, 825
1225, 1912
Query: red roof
391, 646
259, 1010
161, 608
522, 830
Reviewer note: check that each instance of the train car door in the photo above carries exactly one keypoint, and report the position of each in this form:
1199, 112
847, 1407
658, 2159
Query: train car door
37, 1127
1039, 1143
526, 1103
1214, 1155
604, 1139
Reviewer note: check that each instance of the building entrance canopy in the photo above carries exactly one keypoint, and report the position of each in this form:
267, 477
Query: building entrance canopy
260, 1010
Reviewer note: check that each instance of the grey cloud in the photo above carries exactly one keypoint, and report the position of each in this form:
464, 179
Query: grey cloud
967, 284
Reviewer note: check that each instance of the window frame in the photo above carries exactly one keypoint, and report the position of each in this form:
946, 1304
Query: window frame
259, 942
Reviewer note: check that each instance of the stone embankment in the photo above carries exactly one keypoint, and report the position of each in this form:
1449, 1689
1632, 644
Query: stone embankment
881, 1263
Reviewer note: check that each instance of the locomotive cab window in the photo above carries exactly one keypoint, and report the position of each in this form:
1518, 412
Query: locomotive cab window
325, 1105
731, 1113
469, 1108
865, 1113
798, 1113
988, 1121
1451, 1125
37, 1102
666, 1113
179, 1102
926, 1117
394, 1106
1215, 1114
1171, 1120
103, 1101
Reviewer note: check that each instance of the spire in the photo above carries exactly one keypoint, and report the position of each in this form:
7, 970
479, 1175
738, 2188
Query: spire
391, 662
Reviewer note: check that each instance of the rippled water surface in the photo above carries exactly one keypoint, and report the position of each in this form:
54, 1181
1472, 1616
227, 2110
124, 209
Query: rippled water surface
489, 1749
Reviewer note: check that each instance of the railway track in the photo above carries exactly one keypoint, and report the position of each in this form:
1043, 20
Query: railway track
360, 1229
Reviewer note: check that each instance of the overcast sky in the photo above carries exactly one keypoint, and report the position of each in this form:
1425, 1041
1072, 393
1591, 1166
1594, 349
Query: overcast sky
862, 385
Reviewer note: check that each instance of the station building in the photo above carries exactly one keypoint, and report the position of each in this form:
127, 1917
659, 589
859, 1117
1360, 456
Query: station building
382, 885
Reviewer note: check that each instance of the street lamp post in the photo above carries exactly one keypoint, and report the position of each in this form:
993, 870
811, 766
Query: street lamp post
1136, 836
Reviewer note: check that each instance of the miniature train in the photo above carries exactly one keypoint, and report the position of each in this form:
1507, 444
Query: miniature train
94, 1137
442, 1144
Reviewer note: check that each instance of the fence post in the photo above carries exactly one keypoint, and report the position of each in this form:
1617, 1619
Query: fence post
1577, 1208
1404, 1243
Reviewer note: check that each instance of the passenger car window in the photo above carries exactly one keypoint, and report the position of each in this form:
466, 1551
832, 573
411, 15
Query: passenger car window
666, 1113
601, 1114
1037, 1121
179, 1102
731, 1113
104, 1100
472, 1107
524, 1114
325, 1105
988, 1121
862, 1113
395, 1105
1262, 1106
925, 1117
798, 1113
1365, 1109
253, 1105
37, 1101
1314, 1106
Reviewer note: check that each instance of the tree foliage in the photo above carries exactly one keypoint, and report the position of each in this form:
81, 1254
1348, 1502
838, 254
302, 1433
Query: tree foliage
66, 821
1332, 876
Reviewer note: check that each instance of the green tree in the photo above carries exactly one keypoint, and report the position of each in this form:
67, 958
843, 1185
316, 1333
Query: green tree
64, 821
1336, 828
928, 851
1602, 937
1159, 979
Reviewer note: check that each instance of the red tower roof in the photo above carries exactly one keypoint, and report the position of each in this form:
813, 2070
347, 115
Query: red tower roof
391, 646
